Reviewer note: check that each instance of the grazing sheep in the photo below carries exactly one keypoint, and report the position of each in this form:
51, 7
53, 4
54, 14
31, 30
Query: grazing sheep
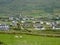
16, 36
20, 36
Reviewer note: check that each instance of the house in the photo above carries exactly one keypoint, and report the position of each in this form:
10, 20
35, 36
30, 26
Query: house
33, 21
17, 19
55, 25
11, 18
27, 24
22, 21
57, 22
4, 27
38, 26
47, 23
41, 22
27, 18
39, 19
14, 23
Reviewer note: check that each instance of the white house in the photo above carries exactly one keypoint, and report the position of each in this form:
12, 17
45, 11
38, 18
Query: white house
41, 22
48, 23
22, 21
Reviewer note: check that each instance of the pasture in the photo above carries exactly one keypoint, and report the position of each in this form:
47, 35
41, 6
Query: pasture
10, 39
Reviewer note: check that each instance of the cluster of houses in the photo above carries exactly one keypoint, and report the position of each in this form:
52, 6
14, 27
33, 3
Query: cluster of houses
30, 22
4, 27
41, 25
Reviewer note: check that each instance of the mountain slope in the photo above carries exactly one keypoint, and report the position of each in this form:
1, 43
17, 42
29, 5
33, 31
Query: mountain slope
16, 6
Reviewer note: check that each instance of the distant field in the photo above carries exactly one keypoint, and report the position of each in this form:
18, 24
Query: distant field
10, 39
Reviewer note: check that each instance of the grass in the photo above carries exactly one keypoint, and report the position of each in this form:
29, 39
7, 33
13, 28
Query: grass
10, 39
2, 22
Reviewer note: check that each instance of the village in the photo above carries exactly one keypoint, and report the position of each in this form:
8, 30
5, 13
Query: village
28, 22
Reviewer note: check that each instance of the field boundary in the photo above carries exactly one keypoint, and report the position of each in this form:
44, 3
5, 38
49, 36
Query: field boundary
30, 33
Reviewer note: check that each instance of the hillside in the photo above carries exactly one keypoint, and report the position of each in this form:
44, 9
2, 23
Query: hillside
29, 7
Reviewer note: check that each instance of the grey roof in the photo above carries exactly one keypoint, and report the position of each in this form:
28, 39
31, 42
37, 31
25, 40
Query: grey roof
57, 26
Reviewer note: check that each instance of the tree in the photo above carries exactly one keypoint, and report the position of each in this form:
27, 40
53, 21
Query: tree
18, 26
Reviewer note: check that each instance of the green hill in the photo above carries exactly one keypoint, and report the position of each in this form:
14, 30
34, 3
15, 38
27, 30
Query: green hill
29, 7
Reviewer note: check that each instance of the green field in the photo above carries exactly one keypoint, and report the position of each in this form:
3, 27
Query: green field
10, 39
